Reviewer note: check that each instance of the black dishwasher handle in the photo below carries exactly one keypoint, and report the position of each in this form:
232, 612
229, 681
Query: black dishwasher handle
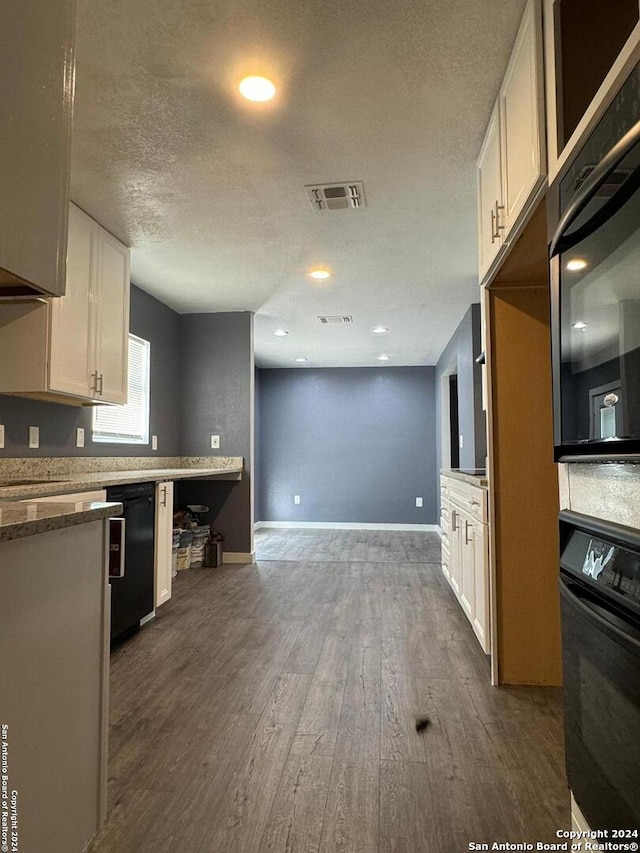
575, 595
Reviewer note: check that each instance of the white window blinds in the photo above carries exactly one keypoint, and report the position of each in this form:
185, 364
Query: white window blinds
128, 424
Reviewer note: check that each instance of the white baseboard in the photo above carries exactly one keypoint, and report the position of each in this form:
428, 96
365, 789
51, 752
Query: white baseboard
243, 557
338, 525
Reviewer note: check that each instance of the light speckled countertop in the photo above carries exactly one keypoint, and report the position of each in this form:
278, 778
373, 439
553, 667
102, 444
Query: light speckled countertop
475, 476
18, 520
55, 480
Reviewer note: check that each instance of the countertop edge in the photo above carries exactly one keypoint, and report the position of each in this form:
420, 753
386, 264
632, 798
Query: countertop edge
479, 480
51, 516
99, 480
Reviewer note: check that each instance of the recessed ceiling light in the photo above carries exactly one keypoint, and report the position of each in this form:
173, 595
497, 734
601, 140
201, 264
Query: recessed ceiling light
380, 330
384, 357
280, 333
576, 264
319, 274
579, 325
301, 360
257, 89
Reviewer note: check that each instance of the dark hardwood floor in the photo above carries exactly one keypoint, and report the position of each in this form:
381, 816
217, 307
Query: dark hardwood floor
271, 709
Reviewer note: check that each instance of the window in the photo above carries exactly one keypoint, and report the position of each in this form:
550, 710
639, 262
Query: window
128, 424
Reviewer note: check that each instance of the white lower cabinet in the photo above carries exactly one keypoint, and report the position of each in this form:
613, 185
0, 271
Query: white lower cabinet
465, 553
163, 542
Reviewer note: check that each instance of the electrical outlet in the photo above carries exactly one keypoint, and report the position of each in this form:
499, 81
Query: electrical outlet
79, 437
461, 442
1, 435
418, 502
296, 499
215, 442
34, 436
154, 442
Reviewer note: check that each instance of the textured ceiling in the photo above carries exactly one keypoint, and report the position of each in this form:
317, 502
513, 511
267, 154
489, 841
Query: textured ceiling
208, 190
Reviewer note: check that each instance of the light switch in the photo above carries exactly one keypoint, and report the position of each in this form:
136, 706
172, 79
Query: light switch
34, 436
296, 499
215, 442
154, 442
419, 502
1, 435
79, 437
461, 441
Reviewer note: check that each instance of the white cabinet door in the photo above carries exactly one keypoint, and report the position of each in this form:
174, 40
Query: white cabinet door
455, 566
112, 318
468, 573
71, 361
490, 207
480, 619
163, 542
521, 117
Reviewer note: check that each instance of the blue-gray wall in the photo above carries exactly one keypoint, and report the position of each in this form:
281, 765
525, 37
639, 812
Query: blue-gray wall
216, 398
463, 348
154, 322
357, 444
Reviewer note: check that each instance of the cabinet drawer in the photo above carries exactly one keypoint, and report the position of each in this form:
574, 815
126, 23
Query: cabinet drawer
470, 499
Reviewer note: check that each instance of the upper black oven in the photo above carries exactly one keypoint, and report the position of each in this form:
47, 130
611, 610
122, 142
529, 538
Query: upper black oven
594, 209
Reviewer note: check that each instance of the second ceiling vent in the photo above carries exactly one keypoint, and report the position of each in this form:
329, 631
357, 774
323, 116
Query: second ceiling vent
337, 196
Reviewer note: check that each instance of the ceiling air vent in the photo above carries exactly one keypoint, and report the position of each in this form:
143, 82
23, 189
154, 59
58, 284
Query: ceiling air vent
337, 196
335, 319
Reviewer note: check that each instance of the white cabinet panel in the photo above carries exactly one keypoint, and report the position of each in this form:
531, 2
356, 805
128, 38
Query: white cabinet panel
521, 115
112, 319
480, 620
490, 207
70, 362
74, 349
163, 542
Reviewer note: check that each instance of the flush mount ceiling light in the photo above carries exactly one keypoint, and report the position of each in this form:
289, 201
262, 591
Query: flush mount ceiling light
280, 333
384, 357
257, 89
579, 325
319, 274
301, 360
380, 330
576, 264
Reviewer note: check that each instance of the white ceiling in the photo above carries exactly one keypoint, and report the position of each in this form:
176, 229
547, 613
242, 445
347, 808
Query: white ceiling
208, 189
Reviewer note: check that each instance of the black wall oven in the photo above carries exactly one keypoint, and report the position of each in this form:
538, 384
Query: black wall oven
594, 213
600, 608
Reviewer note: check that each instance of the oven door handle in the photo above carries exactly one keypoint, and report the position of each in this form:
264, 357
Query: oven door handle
605, 168
574, 595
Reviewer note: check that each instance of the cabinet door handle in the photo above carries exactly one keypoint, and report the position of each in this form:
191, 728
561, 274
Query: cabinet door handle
164, 495
493, 227
99, 379
499, 227
94, 382
454, 526
466, 533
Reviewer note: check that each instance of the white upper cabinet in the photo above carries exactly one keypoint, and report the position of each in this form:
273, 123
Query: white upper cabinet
490, 207
512, 161
37, 73
522, 117
73, 349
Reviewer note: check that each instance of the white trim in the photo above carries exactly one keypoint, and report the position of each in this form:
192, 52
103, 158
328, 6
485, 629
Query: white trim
337, 525
578, 820
147, 618
239, 557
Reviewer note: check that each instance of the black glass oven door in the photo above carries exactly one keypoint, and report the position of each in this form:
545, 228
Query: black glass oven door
595, 271
601, 662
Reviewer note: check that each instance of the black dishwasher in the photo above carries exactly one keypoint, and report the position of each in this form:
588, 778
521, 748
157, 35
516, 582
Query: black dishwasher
132, 594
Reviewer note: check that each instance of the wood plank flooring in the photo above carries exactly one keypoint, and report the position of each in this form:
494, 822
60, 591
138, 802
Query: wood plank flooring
271, 709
